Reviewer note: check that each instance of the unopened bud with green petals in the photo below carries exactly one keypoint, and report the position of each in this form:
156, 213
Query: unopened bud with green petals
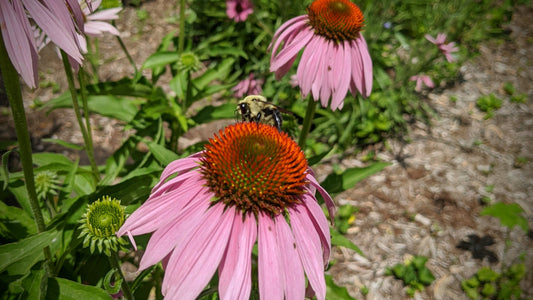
99, 224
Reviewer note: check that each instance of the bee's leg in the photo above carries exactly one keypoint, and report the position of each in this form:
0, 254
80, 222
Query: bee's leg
258, 117
277, 119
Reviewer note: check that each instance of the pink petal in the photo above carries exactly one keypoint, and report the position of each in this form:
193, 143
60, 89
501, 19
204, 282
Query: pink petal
54, 27
178, 166
161, 210
367, 66
97, 28
293, 272
344, 72
320, 61
236, 267
327, 198
320, 224
290, 51
327, 82
75, 8
105, 15
193, 265
310, 249
429, 83
306, 71
430, 38
180, 228
269, 268
17, 43
277, 40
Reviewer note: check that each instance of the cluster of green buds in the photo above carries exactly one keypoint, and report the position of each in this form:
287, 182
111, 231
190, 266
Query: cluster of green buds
103, 218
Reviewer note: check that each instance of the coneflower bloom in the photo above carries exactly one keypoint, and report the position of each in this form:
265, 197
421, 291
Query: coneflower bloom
239, 10
335, 58
422, 79
251, 183
446, 49
59, 19
248, 86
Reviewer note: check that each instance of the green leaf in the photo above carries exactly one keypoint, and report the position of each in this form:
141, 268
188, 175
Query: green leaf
425, 276
340, 240
63, 143
419, 262
486, 274
508, 214
162, 154
15, 223
336, 183
334, 291
211, 113
46, 158
220, 51
19, 257
63, 289
219, 72
160, 59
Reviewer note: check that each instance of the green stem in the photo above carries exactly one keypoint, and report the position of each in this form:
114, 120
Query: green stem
12, 88
83, 129
181, 37
115, 264
123, 46
89, 142
309, 114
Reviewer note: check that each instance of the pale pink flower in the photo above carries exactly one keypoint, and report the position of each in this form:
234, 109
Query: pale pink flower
446, 49
251, 183
422, 79
335, 57
59, 19
248, 86
239, 10
95, 24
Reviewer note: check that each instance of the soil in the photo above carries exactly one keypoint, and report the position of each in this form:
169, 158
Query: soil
425, 203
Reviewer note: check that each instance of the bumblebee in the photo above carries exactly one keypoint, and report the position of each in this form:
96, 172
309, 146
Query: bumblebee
255, 108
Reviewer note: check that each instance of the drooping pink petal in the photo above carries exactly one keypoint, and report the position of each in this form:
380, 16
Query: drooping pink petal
310, 249
321, 69
180, 228
321, 224
281, 33
290, 51
235, 270
269, 268
427, 81
105, 15
54, 28
367, 66
97, 28
343, 63
325, 90
158, 211
327, 198
293, 272
77, 12
17, 44
306, 71
196, 262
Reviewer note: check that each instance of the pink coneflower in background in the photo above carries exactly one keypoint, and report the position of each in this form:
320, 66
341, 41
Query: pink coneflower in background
95, 24
446, 49
238, 10
251, 183
335, 58
60, 20
422, 79
248, 86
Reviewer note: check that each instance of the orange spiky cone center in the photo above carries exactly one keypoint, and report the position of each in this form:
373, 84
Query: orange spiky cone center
337, 20
254, 167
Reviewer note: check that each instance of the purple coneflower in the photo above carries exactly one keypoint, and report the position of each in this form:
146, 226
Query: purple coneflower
446, 49
238, 10
251, 183
248, 86
336, 56
60, 20
422, 79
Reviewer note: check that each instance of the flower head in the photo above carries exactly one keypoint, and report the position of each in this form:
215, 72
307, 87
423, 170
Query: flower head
335, 58
46, 183
238, 10
422, 79
99, 224
248, 86
251, 183
60, 20
446, 49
